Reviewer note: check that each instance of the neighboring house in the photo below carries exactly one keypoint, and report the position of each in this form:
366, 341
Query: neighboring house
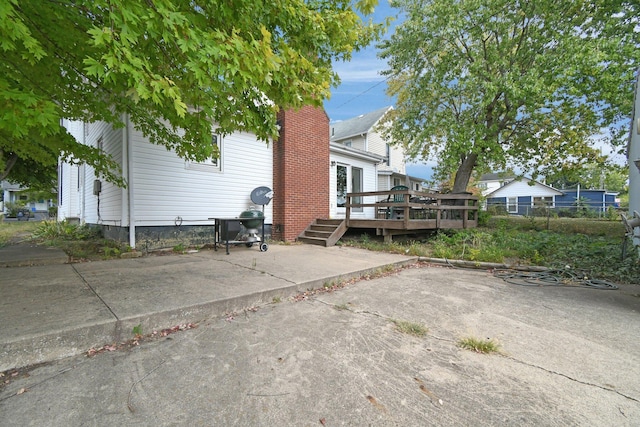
362, 133
596, 200
490, 182
521, 195
15, 194
169, 200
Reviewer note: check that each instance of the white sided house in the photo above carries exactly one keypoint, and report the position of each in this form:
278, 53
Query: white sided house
521, 195
362, 133
167, 199
352, 171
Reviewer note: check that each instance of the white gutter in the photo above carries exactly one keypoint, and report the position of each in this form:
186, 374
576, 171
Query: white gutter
129, 188
353, 152
83, 188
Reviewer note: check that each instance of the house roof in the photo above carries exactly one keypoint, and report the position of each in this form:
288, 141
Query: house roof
356, 125
498, 176
354, 152
506, 187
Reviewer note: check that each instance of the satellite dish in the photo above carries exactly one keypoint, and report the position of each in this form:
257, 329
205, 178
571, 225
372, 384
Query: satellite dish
261, 195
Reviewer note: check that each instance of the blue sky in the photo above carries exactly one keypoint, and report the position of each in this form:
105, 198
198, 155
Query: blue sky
363, 88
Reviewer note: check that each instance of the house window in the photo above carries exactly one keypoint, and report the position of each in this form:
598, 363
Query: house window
214, 163
512, 205
347, 143
388, 152
542, 201
341, 180
482, 185
356, 186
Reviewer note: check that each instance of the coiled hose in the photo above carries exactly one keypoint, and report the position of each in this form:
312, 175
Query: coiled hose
557, 277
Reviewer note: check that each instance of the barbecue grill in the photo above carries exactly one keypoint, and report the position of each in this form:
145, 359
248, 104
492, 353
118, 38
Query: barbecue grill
251, 219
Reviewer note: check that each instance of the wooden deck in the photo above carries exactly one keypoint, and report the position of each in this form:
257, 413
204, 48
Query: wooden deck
407, 211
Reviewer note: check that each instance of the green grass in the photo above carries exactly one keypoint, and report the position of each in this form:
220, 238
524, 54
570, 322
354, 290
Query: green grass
479, 346
410, 328
589, 245
80, 242
10, 230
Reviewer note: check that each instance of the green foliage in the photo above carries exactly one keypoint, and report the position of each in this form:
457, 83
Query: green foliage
589, 245
137, 331
64, 230
79, 241
13, 208
606, 176
171, 67
488, 84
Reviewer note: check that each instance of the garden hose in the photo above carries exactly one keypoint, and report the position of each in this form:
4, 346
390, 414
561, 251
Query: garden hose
558, 277
529, 275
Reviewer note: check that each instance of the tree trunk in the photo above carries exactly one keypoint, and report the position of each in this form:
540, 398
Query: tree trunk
8, 165
463, 174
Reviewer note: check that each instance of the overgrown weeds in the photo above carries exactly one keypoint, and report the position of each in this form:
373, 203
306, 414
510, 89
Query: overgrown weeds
592, 246
79, 241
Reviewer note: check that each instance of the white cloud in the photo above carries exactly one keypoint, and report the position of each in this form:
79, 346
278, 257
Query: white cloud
363, 67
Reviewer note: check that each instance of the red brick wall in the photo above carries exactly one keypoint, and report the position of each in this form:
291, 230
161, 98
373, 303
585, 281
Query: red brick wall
300, 171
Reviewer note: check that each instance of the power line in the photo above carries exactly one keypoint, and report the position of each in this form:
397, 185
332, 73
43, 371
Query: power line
361, 93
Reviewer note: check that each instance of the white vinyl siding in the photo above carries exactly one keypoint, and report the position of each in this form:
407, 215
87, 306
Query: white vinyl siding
109, 209
523, 189
71, 179
167, 188
378, 145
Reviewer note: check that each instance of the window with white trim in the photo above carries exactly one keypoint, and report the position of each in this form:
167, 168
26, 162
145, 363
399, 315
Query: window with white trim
512, 204
212, 164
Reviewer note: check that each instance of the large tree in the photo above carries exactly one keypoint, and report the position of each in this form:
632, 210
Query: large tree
506, 83
173, 67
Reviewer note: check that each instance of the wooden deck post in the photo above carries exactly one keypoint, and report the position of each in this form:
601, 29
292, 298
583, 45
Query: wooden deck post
465, 214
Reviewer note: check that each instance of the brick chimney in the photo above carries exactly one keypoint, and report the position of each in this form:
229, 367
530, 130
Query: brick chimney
300, 171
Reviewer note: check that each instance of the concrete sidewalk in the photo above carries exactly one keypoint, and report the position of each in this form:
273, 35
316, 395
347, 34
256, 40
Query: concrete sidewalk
569, 356
50, 310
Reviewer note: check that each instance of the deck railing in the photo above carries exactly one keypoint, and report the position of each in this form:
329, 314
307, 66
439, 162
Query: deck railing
411, 210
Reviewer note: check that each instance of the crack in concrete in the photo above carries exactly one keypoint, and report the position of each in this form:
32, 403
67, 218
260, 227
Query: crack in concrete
550, 371
95, 293
259, 271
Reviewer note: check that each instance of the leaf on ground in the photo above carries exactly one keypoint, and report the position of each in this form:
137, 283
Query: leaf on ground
377, 404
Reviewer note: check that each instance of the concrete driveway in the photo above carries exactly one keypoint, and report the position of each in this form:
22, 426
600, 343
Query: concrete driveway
569, 356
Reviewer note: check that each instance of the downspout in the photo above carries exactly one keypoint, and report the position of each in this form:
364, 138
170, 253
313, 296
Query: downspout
130, 187
83, 188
